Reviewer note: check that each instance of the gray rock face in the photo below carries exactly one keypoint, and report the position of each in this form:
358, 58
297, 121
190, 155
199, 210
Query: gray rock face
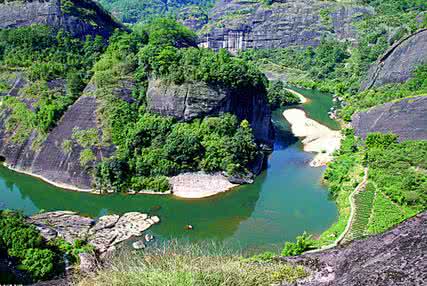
15, 14
191, 100
104, 234
398, 63
397, 257
239, 24
51, 161
406, 118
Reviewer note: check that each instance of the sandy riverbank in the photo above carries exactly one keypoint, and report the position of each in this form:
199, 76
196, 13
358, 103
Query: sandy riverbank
318, 138
301, 97
199, 185
187, 185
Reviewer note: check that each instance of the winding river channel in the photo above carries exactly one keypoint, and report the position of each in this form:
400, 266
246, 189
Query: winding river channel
284, 201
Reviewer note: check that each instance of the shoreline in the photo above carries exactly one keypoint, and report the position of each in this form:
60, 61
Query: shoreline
318, 139
50, 182
301, 97
197, 185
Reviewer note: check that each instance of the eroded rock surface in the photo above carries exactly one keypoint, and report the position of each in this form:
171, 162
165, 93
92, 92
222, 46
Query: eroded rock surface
238, 24
398, 63
83, 18
104, 234
406, 118
397, 257
191, 100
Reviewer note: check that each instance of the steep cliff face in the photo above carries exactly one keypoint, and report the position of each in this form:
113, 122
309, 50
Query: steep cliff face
79, 18
397, 64
48, 156
191, 100
238, 25
396, 257
406, 118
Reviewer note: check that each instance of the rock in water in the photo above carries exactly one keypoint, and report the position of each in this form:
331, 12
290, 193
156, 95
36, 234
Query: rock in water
138, 245
104, 234
406, 118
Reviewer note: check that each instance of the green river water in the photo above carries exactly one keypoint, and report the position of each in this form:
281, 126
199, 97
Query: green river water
284, 201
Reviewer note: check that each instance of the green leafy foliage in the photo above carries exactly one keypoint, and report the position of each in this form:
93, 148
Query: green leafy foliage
149, 146
303, 243
143, 11
56, 66
24, 242
279, 96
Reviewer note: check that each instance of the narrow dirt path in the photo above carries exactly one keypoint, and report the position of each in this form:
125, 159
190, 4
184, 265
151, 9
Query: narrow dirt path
359, 187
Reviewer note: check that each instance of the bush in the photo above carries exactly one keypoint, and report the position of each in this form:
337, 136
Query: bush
279, 96
304, 243
40, 262
24, 242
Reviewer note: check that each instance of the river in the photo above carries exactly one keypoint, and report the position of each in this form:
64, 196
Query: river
284, 201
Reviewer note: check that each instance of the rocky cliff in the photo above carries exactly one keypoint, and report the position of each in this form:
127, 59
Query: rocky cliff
406, 118
78, 17
398, 63
47, 156
191, 100
397, 257
241, 24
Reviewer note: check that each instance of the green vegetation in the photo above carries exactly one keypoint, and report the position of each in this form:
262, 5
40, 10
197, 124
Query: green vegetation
39, 258
396, 189
417, 85
150, 147
303, 243
337, 66
57, 67
143, 11
279, 96
177, 264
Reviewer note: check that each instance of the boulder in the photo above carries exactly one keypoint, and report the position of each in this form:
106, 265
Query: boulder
191, 100
104, 234
405, 118
398, 63
88, 263
138, 245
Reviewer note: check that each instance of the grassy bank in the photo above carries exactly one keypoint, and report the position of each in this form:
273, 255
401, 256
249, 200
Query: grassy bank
396, 184
192, 264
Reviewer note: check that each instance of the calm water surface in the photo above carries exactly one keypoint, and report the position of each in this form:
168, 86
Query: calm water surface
284, 201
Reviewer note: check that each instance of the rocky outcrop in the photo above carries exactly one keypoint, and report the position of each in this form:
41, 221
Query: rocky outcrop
239, 24
398, 63
103, 234
79, 18
191, 100
395, 258
193, 17
406, 118
47, 156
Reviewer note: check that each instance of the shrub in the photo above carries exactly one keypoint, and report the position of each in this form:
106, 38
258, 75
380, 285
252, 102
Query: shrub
40, 262
279, 96
304, 243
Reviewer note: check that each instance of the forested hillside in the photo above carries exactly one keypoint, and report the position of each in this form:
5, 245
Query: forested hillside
142, 11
